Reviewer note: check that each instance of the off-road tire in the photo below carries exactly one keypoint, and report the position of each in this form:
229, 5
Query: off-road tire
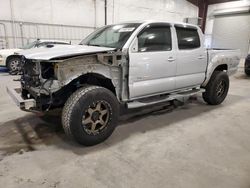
210, 96
75, 108
12, 65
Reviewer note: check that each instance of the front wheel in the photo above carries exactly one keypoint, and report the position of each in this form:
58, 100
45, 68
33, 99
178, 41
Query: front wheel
90, 115
217, 88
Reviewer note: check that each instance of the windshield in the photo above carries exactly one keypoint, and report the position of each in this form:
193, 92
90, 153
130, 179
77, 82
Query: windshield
113, 36
29, 45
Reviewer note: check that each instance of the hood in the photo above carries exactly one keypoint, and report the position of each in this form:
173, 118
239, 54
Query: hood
7, 52
60, 51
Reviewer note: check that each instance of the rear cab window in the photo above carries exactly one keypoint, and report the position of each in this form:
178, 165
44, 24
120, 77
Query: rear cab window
187, 38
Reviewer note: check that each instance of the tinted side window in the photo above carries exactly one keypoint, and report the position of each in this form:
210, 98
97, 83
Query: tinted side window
188, 38
155, 38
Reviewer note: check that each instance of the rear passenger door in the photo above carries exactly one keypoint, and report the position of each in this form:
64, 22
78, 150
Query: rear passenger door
152, 65
191, 57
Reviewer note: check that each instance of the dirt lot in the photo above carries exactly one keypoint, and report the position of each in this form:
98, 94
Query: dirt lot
194, 145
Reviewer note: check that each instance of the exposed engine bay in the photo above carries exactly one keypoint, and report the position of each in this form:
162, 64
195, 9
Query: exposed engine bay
36, 82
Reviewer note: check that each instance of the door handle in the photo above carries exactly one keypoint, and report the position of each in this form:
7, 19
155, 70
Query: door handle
170, 59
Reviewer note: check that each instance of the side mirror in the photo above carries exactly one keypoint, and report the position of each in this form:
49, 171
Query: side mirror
134, 47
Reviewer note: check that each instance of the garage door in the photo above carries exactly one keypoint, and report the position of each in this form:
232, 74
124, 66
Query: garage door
232, 31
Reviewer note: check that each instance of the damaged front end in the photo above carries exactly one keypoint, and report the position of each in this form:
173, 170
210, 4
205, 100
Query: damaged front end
38, 84
47, 84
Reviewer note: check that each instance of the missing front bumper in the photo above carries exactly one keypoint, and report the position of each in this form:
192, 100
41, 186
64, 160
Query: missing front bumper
23, 104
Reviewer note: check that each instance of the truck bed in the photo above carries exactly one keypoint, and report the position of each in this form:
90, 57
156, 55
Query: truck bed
228, 59
231, 57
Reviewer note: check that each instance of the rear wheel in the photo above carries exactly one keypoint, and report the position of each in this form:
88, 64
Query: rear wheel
90, 115
13, 65
217, 88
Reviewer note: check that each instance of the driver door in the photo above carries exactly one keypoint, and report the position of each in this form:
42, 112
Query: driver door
152, 65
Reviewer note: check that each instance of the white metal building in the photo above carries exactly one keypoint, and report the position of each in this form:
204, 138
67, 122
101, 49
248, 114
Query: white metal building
21, 21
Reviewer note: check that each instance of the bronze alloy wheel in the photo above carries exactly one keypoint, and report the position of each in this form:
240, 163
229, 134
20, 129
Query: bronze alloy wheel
90, 115
96, 118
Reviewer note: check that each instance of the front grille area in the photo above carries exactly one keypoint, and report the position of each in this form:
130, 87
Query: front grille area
30, 74
36, 79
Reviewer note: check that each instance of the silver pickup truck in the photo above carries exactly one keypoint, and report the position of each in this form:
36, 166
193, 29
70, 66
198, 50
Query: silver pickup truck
132, 64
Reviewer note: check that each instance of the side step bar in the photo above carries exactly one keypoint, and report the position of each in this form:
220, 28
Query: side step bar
174, 96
